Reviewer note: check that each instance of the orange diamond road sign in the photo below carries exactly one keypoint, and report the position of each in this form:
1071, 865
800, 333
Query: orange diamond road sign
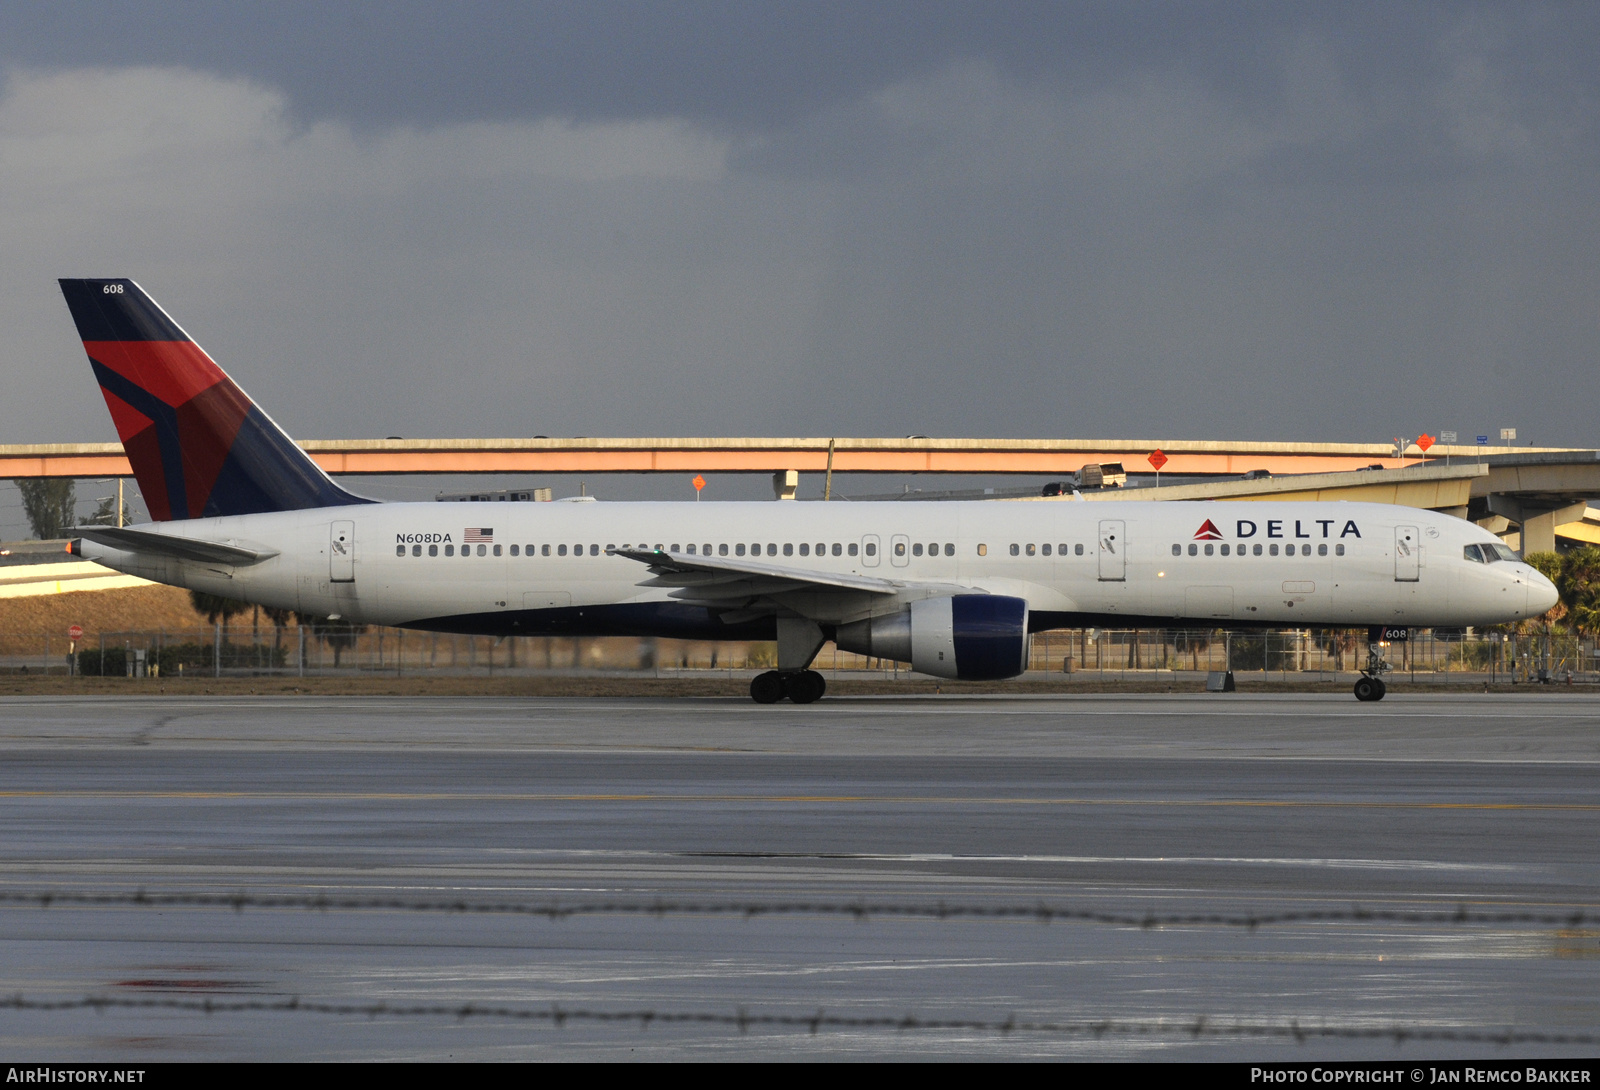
1424, 442
699, 482
1158, 460
75, 632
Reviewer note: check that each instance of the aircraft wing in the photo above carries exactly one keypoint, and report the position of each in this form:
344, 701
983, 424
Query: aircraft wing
735, 581
152, 543
730, 577
737, 589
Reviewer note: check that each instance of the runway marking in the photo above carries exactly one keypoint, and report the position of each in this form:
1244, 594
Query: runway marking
939, 800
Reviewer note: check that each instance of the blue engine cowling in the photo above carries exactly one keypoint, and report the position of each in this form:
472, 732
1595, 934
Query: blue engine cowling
967, 637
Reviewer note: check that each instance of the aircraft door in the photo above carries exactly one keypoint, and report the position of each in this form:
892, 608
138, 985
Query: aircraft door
869, 551
1113, 551
899, 550
342, 552
1407, 554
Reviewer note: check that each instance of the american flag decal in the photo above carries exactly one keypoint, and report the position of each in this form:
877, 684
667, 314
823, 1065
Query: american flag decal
476, 536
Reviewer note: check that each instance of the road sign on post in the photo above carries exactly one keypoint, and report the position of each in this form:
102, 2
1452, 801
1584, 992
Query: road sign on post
75, 632
1424, 442
699, 482
1158, 460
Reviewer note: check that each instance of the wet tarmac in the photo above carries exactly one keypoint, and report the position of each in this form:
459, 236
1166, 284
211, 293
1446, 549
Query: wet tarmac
677, 818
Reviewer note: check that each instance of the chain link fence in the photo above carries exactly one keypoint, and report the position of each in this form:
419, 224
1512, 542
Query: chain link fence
1434, 656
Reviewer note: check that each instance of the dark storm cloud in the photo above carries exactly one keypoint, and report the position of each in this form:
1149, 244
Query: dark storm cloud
749, 65
1268, 221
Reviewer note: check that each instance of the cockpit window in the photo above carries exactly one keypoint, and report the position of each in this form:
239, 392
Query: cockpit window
1488, 554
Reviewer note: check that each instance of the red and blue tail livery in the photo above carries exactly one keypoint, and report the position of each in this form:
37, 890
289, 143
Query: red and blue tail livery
198, 445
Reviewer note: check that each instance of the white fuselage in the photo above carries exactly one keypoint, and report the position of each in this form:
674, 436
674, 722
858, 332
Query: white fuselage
1292, 564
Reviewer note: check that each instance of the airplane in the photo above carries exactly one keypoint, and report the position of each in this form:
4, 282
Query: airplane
955, 588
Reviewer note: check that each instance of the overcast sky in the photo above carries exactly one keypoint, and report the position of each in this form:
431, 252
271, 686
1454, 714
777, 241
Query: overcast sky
1253, 221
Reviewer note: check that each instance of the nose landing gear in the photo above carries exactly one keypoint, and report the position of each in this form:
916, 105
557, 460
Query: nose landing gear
800, 686
1370, 685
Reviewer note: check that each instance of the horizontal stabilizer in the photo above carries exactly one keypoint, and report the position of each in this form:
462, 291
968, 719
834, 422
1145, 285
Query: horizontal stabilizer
183, 548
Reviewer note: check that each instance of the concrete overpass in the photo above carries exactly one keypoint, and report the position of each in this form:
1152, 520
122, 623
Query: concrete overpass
1034, 457
1530, 496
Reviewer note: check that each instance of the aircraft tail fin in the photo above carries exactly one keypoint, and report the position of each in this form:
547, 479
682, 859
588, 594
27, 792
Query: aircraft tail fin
198, 445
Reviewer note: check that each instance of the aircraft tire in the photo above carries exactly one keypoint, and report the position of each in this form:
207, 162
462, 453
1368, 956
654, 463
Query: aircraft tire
767, 688
1370, 688
807, 687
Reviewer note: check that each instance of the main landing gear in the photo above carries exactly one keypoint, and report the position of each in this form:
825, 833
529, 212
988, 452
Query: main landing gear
1370, 685
800, 686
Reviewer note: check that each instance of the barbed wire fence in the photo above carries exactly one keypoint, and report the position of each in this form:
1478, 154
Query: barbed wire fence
556, 1016
744, 1021
1040, 912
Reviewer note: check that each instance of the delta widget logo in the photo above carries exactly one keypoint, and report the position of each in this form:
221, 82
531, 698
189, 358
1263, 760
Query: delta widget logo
1208, 532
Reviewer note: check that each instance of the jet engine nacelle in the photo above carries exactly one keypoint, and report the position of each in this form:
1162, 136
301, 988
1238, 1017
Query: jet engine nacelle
969, 637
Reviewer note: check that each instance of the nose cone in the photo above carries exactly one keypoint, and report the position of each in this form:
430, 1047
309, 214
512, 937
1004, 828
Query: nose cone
1542, 594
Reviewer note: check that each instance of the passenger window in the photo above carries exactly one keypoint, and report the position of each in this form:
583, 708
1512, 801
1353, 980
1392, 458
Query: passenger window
399, 550
1224, 550
822, 548
544, 550
755, 550
805, 548
612, 549
449, 550
872, 548
514, 551
1194, 549
1257, 550
433, 550
1015, 549
483, 550
1208, 549
497, 550
561, 550
1177, 550
1322, 550
691, 549
722, 550
772, 549
851, 550
594, 550
788, 549
1045, 548
1272, 549
836, 549
1338, 550
899, 548
983, 550
916, 550
676, 548
738, 549
949, 548
1077, 550
416, 550
1031, 549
